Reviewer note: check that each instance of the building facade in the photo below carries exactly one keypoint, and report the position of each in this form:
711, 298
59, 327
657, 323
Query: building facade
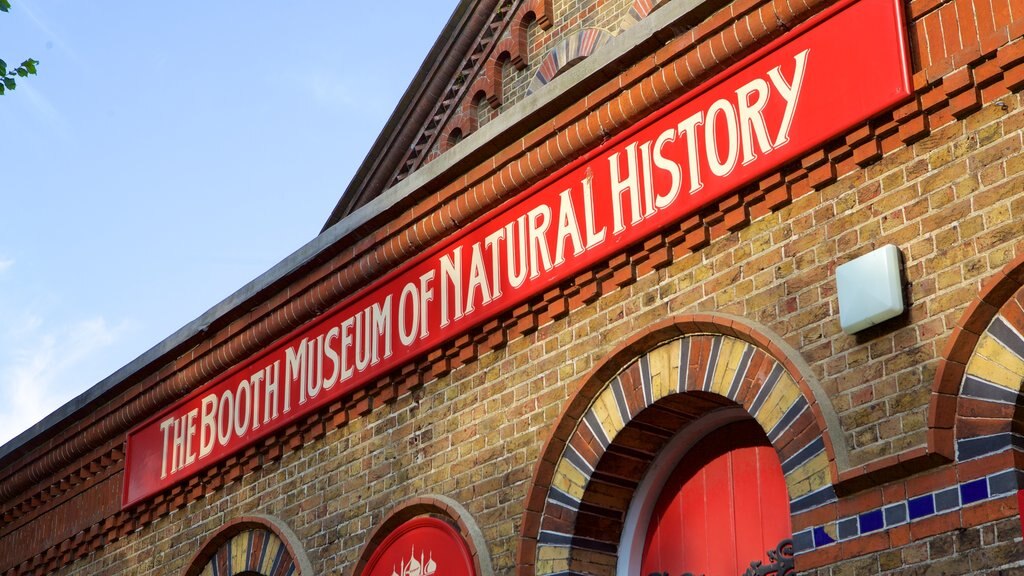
578, 313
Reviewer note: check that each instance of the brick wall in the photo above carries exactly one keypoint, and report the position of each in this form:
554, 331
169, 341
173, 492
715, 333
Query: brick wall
940, 177
476, 434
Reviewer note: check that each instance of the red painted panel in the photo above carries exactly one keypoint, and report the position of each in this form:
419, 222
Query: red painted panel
1020, 507
692, 519
747, 469
423, 546
719, 500
724, 506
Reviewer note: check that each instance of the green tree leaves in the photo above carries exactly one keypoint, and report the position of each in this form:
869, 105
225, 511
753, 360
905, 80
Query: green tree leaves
7, 76
23, 70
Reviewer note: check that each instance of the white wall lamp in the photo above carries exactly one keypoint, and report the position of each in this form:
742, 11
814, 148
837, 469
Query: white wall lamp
870, 289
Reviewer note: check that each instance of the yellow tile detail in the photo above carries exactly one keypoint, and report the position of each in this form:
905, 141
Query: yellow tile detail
208, 571
239, 550
996, 363
778, 402
268, 559
552, 566
664, 363
569, 480
607, 411
552, 554
729, 358
809, 477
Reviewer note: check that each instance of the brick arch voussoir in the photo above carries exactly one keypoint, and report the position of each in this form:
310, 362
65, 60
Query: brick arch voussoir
483, 88
504, 51
566, 53
541, 10
620, 361
292, 552
437, 506
464, 122
508, 50
538, 11
1001, 297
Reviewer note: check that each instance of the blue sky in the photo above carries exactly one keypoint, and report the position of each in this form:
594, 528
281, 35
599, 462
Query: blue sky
167, 154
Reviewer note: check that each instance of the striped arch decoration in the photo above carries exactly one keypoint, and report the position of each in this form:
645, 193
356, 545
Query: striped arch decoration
977, 407
643, 8
611, 441
254, 550
977, 392
991, 388
638, 11
259, 545
569, 51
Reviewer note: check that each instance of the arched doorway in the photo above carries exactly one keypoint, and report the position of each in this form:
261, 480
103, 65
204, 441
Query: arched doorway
636, 417
428, 534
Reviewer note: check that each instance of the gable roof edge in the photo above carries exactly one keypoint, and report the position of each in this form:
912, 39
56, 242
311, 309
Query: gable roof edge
441, 63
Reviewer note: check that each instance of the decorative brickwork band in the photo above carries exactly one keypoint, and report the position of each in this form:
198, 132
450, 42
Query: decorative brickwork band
612, 432
251, 545
969, 498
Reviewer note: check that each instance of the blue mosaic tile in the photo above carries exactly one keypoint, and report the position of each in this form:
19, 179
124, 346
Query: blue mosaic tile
974, 491
976, 388
921, 506
1002, 483
871, 521
896, 514
847, 528
970, 448
554, 538
822, 538
947, 499
803, 541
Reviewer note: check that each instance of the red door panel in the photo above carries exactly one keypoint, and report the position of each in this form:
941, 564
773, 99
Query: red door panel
723, 507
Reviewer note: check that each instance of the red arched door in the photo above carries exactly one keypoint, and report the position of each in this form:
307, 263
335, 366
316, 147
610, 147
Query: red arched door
423, 546
724, 507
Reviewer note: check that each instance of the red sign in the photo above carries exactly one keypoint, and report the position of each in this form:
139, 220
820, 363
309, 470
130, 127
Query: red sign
821, 79
422, 546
